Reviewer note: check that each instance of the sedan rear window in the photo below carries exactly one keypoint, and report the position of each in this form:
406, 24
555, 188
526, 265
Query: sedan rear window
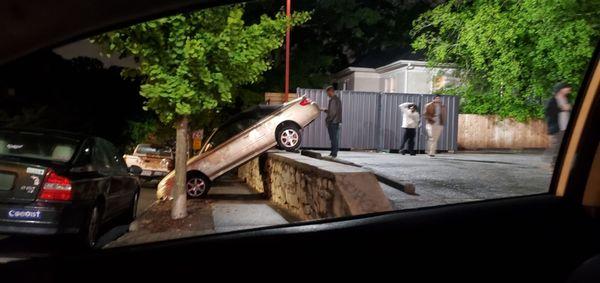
150, 150
37, 146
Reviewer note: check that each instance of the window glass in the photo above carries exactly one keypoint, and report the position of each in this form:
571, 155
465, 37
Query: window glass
37, 146
450, 102
153, 150
85, 154
102, 156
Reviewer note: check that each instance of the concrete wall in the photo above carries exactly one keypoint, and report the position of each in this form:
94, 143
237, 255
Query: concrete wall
314, 189
419, 80
366, 82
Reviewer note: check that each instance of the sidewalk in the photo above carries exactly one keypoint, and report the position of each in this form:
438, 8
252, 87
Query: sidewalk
455, 177
230, 206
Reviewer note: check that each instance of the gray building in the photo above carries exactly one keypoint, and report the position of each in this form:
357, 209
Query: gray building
408, 75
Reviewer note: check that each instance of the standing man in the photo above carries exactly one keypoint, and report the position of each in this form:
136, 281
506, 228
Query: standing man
558, 112
410, 122
435, 116
333, 120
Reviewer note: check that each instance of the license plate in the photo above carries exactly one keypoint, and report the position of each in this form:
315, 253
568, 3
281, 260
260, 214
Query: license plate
159, 173
6, 181
146, 173
24, 214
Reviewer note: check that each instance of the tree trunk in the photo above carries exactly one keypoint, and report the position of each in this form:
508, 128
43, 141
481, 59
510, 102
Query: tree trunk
179, 209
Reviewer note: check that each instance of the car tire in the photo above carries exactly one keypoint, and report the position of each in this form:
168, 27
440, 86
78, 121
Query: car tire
288, 137
91, 228
197, 186
131, 212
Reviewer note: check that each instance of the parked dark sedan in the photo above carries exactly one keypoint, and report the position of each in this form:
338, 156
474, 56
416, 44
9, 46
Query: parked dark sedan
62, 183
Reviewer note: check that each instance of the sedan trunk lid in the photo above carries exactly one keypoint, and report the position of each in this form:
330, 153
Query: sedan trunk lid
20, 182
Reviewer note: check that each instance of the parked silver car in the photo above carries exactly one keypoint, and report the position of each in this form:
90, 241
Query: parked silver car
242, 138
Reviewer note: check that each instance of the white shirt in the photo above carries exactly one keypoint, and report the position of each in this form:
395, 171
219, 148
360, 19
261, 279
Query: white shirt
409, 119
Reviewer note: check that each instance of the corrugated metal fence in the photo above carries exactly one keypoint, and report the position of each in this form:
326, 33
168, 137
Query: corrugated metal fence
372, 120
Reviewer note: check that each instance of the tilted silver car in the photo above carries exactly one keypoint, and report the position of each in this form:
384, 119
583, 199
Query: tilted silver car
242, 138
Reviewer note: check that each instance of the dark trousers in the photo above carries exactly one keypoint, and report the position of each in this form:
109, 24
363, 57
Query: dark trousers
334, 136
408, 136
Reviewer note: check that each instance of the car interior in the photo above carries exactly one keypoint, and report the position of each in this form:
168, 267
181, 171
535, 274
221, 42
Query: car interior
549, 237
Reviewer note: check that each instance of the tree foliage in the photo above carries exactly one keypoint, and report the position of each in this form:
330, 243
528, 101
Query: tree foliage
339, 34
191, 63
510, 53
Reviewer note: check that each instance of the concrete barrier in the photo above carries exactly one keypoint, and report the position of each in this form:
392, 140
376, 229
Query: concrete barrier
309, 188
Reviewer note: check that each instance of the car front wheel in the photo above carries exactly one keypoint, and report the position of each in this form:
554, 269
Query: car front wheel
289, 137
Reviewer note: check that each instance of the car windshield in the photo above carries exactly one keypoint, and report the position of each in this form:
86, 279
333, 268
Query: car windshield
372, 107
37, 146
151, 150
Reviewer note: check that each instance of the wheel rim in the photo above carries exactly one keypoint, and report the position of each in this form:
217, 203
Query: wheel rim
195, 187
289, 138
135, 205
93, 227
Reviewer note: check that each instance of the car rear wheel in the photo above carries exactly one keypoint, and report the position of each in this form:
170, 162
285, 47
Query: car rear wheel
289, 137
197, 186
131, 212
92, 227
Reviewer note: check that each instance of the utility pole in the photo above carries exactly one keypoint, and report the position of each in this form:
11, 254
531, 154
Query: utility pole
287, 52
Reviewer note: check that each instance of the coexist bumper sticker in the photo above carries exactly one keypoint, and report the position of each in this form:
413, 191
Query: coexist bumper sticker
24, 214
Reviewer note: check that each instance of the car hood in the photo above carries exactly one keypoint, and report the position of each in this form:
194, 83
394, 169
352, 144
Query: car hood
29, 26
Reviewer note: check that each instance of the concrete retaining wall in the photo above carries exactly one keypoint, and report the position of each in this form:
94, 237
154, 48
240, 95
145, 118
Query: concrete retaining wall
314, 189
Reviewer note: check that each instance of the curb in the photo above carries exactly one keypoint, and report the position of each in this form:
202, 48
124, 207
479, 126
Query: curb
405, 187
134, 224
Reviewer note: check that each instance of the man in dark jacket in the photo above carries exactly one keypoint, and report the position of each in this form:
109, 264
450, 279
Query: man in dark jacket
557, 115
333, 120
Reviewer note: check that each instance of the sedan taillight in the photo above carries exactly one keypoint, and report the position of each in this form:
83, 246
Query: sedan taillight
56, 187
305, 101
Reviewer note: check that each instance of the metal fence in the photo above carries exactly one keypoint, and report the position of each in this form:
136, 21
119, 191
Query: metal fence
372, 120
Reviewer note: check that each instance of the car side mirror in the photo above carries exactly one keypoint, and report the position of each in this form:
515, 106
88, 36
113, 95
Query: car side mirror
135, 170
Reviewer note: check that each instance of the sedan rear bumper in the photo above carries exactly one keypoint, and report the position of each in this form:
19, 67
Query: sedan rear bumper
153, 174
30, 230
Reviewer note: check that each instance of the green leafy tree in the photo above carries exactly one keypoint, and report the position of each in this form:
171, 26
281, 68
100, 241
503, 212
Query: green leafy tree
191, 64
339, 34
510, 53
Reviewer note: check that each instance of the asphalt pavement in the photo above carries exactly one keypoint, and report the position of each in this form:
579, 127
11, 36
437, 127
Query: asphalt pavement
455, 177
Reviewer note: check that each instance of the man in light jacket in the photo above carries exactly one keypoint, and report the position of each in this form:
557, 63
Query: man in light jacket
435, 116
333, 120
410, 122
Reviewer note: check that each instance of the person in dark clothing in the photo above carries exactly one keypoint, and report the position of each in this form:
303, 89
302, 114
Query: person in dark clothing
557, 112
333, 120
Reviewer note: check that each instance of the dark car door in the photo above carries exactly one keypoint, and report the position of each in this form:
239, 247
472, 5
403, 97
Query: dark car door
121, 177
101, 157
121, 183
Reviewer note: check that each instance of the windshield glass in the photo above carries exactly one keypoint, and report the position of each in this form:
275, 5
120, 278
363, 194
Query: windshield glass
151, 150
372, 107
37, 146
